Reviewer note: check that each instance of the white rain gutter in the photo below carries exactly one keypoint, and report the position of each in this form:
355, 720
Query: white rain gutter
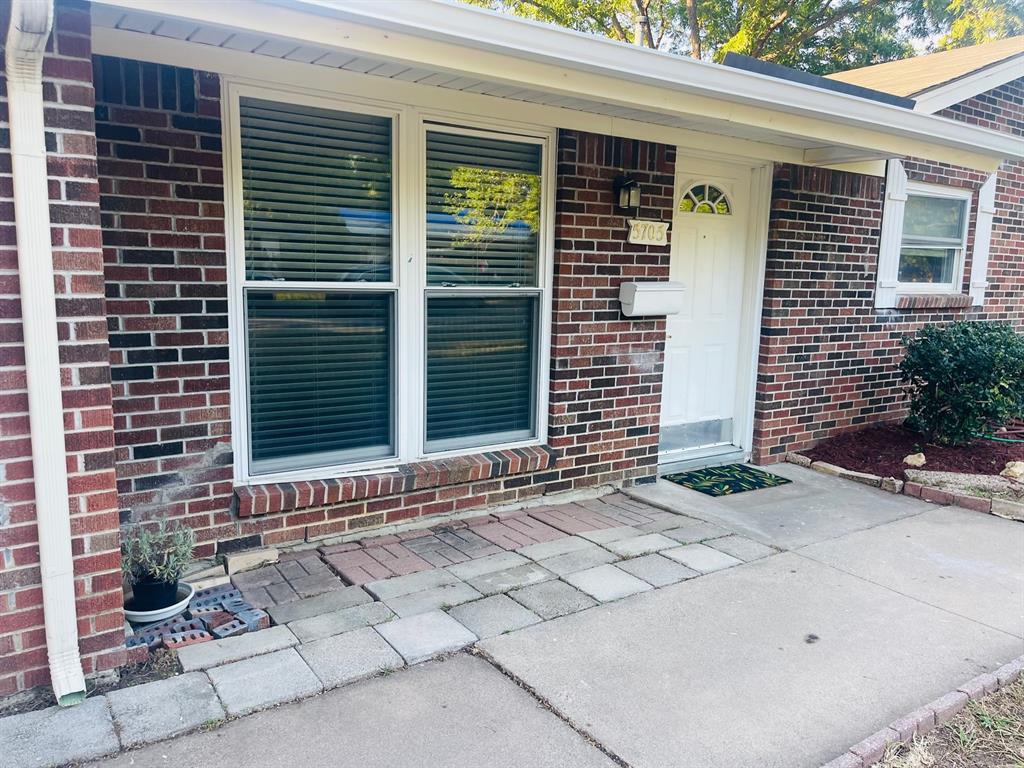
31, 22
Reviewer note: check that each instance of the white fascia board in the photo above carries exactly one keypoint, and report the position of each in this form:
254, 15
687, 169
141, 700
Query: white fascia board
946, 95
537, 56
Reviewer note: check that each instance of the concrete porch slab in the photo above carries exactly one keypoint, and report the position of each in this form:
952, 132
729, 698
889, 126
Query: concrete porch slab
461, 713
966, 562
814, 507
731, 650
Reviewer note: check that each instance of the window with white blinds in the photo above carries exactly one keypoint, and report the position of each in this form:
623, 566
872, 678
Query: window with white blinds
330, 383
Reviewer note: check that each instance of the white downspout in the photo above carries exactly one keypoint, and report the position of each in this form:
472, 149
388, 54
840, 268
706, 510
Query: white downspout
31, 21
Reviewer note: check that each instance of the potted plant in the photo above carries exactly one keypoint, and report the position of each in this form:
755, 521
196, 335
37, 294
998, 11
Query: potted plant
152, 561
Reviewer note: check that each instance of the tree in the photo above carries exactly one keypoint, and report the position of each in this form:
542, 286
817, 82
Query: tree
818, 36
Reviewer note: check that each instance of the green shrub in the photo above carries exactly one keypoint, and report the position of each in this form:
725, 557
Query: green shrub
963, 379
156, 555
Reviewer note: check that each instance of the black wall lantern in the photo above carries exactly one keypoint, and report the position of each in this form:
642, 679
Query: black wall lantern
627, 193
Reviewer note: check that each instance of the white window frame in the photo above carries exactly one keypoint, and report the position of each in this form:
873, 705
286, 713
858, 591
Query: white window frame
408, 283
918, 189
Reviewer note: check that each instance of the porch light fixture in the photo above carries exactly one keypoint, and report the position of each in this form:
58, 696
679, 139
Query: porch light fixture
627, 193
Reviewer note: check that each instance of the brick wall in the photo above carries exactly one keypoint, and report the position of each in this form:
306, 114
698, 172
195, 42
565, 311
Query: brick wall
161, 197
827, 358
71, 146
160, 176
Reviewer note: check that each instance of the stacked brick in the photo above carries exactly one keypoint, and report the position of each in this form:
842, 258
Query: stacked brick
89, 439
827, 358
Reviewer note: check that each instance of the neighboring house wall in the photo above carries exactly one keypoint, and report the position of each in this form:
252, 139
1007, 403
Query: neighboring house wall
82, 329
163, 219
828, 357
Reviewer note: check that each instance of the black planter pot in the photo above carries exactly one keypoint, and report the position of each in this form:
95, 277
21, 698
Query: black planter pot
153, 595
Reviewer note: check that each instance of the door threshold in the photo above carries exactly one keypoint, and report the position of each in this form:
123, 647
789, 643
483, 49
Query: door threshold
700, 458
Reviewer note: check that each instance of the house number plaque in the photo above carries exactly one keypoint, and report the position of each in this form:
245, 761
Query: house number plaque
648, 232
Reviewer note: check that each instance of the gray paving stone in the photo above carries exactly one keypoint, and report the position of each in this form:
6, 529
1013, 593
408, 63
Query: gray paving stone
497, 562
741, 547
385, 589
217, 652
701, 558
311, 585
336, 622
349, 657
438, 598
605, 535
553, 548
420, 637
691, 530
579, 560
606, 582
666, 523
494, 615
640, 545
552, 599
656, 570
314, 606
510, 578
57, 736
164, 708
261, 682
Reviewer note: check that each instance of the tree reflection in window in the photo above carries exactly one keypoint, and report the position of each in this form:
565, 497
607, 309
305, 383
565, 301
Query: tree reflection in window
486, 201
705, 198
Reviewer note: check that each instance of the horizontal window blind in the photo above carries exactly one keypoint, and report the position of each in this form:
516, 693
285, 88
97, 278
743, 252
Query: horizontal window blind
481, 373
319, 377
316, 188
483, 210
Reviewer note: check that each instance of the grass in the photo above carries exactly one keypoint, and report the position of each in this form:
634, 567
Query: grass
988, 733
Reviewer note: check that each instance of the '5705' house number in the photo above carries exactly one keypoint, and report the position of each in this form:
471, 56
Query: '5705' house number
648, 232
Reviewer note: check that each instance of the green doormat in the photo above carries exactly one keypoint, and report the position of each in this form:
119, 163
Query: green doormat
727, 479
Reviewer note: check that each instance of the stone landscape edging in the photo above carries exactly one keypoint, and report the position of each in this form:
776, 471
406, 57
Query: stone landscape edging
871, 750
1004, 508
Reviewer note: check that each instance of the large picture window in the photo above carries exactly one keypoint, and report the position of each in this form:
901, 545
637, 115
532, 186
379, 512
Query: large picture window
355, 358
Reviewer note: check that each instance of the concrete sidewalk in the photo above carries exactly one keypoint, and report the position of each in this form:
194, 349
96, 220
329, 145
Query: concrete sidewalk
785, 661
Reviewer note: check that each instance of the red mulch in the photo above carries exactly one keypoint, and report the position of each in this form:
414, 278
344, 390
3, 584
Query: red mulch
880, 450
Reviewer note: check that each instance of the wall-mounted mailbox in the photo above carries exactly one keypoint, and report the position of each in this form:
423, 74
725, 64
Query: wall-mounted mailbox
653, 298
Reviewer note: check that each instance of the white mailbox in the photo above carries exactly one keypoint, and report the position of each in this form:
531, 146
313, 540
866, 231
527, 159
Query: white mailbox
651, 298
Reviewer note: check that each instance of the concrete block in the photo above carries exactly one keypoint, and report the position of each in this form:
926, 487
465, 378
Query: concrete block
606, 582
438, 598
1011, 510
490, 564
1010, 671
247, 561
217, 652
871, 749
892, 485
418, 638
314, 606
494, 615
701, 558
946, 707
656, 570
552, 599
741, 548
349, 657
635, 546
798, 458
553, 548
580, 560
337, 622
511, 578
263, 681
385, 589
606, 535
58, 736
164, 708
691, 530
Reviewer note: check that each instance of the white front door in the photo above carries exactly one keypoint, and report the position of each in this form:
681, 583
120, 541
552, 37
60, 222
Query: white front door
703, 342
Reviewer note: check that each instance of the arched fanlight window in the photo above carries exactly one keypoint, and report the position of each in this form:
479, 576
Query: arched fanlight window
705, 198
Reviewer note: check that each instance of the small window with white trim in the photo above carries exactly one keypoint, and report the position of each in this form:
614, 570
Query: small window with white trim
933, 239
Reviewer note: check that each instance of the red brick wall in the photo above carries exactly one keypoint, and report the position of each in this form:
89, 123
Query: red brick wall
70, 141
161, 196
166, 286
827, 358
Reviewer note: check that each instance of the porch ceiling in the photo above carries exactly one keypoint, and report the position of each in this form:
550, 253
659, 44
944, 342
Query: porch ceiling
253, 29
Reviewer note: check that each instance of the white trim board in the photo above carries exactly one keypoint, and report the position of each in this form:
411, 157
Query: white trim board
938, 98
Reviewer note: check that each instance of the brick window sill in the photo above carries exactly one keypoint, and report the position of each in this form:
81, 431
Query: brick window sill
269, 498
934, 301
